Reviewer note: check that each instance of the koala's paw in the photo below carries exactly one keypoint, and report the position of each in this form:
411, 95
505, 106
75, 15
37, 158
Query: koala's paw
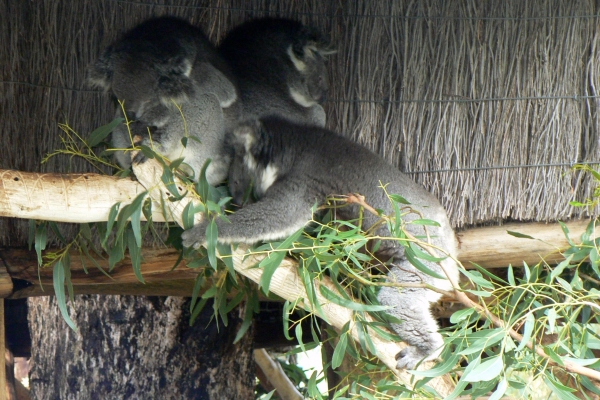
153, 142
195, 237
410, 356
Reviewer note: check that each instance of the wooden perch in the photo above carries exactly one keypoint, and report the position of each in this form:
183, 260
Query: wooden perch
88, 198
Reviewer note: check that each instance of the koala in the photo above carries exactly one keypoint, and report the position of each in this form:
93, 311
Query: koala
280, 68
294, 167
173, 84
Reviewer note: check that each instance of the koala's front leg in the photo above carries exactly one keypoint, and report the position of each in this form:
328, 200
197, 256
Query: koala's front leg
275, 216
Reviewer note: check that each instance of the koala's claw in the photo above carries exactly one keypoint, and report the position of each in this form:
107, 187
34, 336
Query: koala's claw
194, 237
410, 356
139, 158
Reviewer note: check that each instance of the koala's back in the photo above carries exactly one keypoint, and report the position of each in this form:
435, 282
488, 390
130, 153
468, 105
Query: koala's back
330, 164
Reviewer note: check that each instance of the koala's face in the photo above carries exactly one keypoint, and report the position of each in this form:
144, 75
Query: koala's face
309, 82
135, 85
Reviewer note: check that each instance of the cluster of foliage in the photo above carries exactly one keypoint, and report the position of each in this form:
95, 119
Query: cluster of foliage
529, 325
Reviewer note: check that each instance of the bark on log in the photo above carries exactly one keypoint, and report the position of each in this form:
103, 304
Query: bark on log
133, 347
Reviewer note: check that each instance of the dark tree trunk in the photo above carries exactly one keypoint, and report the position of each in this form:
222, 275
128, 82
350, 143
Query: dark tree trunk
130, 347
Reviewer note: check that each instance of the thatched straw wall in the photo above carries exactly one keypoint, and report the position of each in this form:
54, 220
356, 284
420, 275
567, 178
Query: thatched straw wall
456, 87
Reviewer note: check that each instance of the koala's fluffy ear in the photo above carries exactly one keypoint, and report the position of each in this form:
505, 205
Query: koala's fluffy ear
312, 40
174, 81
245, 134
100, 73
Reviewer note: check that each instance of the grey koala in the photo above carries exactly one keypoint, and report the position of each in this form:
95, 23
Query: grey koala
280, 68
173, 84
294, 167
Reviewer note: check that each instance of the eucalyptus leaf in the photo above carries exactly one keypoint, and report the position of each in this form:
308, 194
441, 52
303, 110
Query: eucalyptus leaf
101, 133
486, 371
59, 291
337, 299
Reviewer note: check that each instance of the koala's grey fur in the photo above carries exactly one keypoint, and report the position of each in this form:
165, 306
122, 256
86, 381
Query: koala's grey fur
295, 167
280, 68
160, 65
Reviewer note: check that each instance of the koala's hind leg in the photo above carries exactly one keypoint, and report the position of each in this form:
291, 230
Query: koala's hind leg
418, 327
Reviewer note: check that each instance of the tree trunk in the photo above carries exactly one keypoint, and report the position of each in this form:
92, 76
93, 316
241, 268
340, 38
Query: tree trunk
129, 347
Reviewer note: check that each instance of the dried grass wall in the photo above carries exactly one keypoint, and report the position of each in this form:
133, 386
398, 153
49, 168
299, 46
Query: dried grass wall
472, 90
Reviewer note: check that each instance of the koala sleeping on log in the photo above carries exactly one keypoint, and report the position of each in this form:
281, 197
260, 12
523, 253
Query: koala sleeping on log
294, 167
174, 85
280, 68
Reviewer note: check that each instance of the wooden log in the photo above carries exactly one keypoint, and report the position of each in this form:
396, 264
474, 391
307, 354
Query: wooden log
493, 247
88, 198
75, 198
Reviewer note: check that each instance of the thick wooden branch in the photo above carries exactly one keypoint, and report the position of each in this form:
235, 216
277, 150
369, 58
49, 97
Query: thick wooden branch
88, 198
274, 373
75, 198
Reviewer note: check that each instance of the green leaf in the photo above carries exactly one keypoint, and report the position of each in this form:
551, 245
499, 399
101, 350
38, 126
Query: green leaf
500, 390
422, 221
410, 256
267, 396
135, 252
175, 163
41, 239
272, 261
99, 134
477, 278
112, 217
148, 152
511, 276
551, 320
336, 299
243, 329
561, 391
555, 357
225, 253
187, 216
589, 385
528, 330
557, 271
211, 243
54, 227
460, 386
441, 368
484, 271
127, 212
423, 255
59, 290
461, 315
565, 230
31, 238
519, 235
340, 349
298, 334
399, 199
486, 371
